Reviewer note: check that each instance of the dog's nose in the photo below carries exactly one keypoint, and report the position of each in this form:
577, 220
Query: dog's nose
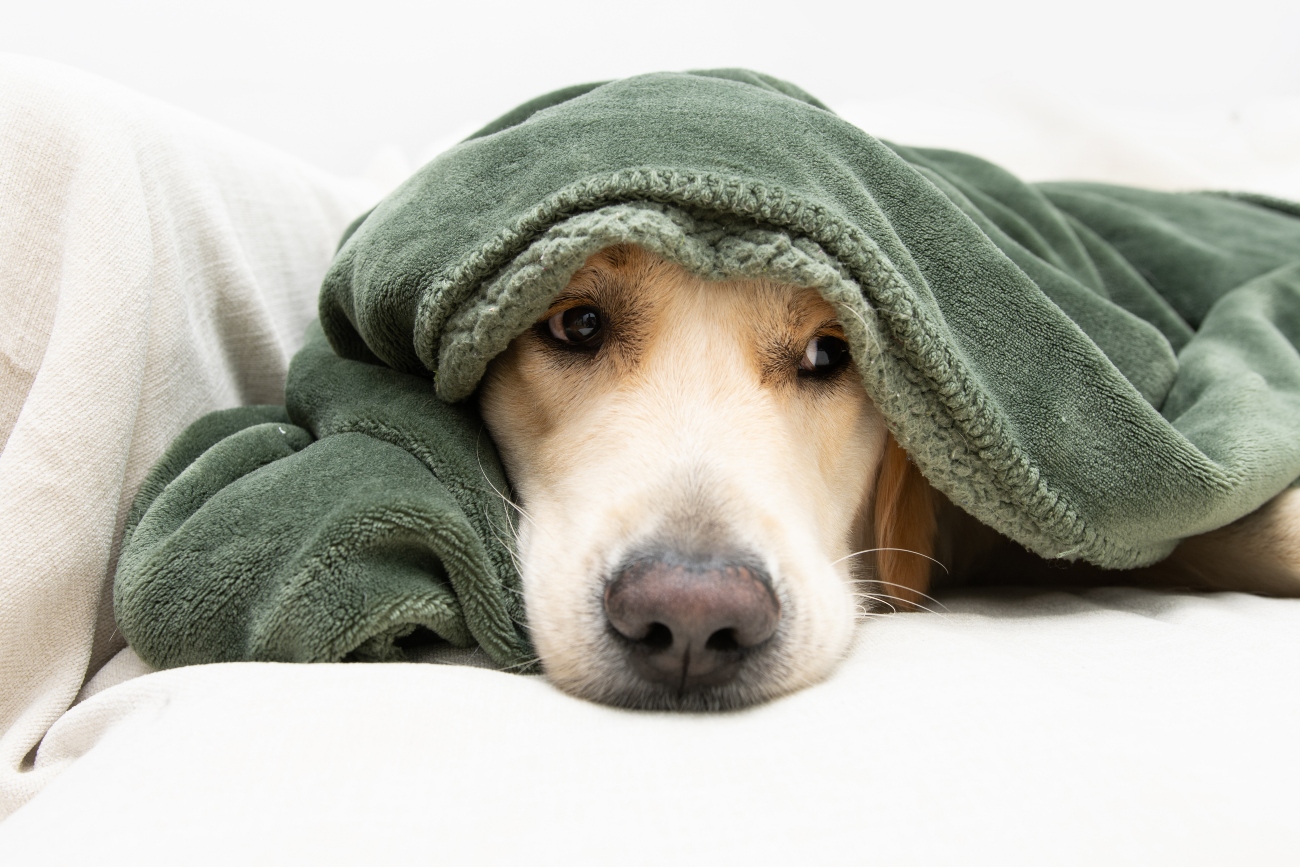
690, 624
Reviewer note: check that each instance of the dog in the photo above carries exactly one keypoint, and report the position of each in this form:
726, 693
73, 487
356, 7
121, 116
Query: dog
710, 501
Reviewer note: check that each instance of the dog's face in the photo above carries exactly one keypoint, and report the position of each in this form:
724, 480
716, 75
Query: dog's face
695, 464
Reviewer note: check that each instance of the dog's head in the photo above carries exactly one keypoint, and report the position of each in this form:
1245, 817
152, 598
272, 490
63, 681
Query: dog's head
698, 466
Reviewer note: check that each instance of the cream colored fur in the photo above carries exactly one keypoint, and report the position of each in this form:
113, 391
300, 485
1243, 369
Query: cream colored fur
692, 420
691, 423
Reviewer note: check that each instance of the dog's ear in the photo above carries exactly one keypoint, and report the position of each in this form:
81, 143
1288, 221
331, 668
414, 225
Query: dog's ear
905, 524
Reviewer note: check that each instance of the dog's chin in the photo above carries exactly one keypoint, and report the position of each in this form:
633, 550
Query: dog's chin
618, 684
656, 697
604, 670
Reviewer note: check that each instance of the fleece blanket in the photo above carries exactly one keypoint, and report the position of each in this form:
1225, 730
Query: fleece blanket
1096, 372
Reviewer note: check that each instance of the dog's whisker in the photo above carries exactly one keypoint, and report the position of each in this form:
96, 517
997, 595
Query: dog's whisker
509, 548
916, 606
511, 551
866, 603
866, 329
912, 589
506, 500
510, 529
523, 665
902, 550
478, 457
883, 600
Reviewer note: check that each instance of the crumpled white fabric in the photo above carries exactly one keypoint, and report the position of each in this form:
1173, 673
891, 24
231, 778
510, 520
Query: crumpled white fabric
1114, 727
153, 267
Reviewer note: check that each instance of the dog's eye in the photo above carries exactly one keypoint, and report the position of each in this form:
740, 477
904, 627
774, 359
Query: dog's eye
577, 326
823, 356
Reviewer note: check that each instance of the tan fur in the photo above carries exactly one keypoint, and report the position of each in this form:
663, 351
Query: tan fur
1258, 554
905, 524
691, 423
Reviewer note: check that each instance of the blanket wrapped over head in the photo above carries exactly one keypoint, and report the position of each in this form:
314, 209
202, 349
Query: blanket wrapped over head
1094, 371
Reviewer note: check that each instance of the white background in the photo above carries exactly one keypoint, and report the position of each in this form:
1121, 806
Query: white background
375, 87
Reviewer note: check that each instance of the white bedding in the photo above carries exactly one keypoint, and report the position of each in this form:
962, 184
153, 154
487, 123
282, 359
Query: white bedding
1116, 727
153, 267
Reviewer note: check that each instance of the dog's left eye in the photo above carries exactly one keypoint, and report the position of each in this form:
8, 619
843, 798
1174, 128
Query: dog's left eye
823, 356
577, 326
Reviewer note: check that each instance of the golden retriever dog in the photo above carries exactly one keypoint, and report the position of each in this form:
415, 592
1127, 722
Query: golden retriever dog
710, 501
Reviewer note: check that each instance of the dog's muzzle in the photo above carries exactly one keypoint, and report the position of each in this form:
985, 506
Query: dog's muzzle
688, 624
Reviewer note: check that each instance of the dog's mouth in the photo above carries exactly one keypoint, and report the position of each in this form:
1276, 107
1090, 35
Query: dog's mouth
739, 688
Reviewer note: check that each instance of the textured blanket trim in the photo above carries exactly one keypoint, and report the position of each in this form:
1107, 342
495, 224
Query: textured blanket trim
956, 437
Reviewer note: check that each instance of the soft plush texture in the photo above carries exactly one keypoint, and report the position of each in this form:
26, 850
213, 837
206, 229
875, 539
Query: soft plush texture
1047, 354
1097, 372
328, 531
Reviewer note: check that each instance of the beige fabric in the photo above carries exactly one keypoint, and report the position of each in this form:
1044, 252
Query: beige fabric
153, 267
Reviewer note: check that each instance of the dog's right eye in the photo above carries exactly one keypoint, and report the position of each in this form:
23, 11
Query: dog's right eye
823, 356
577, 326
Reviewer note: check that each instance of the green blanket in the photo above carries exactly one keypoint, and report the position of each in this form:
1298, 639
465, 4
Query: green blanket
1094, 371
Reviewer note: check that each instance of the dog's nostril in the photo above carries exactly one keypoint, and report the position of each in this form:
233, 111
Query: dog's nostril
690, 623
723, 640
658, 638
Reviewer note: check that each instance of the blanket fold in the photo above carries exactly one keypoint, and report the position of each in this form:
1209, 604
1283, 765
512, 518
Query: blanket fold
1094, 371
325, 531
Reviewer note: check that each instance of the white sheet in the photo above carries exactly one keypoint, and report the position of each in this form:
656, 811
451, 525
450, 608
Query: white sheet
153, 267
1117, 727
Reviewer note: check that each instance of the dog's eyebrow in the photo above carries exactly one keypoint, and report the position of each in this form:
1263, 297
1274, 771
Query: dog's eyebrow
618, 255
832, 324
594, 285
